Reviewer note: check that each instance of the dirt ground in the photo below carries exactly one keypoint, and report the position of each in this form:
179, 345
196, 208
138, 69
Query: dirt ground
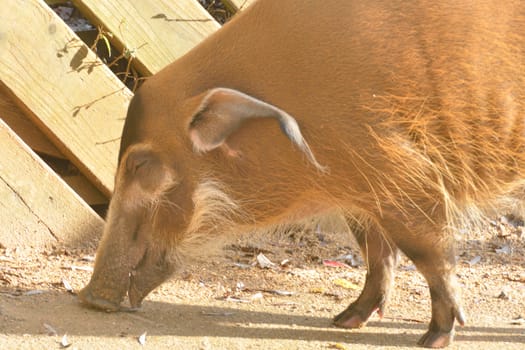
231, 302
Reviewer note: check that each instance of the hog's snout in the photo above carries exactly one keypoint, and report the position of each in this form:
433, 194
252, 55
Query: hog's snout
100, 301
103, 295
107, 291
99, 296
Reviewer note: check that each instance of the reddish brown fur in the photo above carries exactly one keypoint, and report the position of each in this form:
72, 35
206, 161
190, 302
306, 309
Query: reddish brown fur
414, 108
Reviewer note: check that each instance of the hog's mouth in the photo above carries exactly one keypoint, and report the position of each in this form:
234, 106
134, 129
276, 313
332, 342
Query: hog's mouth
135, 295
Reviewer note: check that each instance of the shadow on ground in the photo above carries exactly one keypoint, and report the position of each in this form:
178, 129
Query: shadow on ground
27, 314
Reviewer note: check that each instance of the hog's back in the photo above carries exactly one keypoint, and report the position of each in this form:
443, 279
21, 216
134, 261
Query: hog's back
407, 103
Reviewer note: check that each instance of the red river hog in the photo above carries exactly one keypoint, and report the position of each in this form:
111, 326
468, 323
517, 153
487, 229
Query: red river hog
405, 116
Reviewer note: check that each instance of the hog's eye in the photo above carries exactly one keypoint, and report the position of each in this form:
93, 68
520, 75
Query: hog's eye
139, 160
138, 165
144, 166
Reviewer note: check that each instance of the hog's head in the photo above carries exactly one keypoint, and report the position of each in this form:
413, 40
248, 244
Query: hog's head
167, 200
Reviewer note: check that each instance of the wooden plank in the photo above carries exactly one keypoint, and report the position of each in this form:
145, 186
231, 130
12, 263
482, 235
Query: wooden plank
11, 114
18, 121
157, 31
68, 92
86, 190
37, 207
20, 227
238, 5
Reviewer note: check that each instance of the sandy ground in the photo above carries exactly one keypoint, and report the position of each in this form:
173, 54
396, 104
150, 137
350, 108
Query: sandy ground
231, 302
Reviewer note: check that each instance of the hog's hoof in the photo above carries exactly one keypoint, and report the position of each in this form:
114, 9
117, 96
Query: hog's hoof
129, 309
86, 298
355, 321
433, 339
353, 317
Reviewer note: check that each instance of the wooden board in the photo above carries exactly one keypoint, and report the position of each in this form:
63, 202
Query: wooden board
238, 5
11, 114
68, 92
38, 142
86, 190
157, 31
37, 207
18, 121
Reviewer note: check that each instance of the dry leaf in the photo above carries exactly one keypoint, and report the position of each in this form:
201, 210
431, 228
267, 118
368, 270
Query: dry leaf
285, 262
502, 231
279, 292
64, 343
236, 299
317, 290
242, 266
257, 296
50, 329
142, 338
504, 250
81, 268
349, 259
345, 284
474, 260
67, 285
333, 263
34, 292
264, 262
205, 344
240, 286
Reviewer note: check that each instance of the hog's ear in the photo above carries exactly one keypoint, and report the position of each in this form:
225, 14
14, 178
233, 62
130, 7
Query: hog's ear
223, 110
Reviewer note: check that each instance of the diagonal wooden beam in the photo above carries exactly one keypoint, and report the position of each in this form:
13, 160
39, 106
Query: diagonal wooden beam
17, 120
66, 90
237, 5
37, 207
157, 32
